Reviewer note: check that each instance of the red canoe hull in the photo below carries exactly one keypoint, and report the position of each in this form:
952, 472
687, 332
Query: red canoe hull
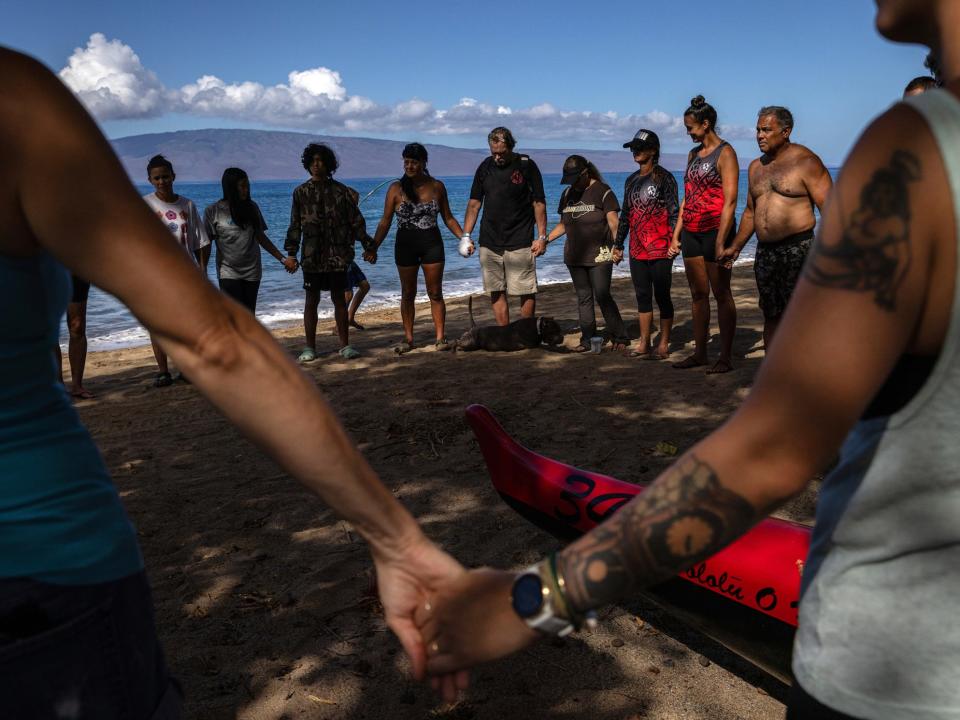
761, 570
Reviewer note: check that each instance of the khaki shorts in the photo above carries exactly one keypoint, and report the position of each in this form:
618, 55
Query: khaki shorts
514, 271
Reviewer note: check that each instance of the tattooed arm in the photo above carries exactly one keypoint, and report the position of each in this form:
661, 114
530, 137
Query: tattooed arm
878, 283
866, 278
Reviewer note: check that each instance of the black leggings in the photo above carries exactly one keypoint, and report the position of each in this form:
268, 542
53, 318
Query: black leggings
243, 291
655, 274
803, 706
594, 282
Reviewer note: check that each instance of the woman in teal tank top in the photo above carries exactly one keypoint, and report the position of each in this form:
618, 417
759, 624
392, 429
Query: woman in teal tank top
76, 622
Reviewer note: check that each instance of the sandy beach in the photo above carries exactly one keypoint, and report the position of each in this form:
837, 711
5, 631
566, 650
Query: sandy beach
265, 600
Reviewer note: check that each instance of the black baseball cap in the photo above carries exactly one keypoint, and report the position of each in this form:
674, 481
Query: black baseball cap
573, 167
644, 140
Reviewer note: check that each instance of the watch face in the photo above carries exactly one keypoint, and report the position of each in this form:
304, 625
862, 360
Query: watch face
527, 595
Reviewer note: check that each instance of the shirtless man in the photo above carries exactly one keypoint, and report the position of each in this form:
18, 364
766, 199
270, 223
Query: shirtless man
919, 85
785, 183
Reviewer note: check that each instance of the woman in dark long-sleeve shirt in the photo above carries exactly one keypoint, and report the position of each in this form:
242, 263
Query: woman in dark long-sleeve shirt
649, 213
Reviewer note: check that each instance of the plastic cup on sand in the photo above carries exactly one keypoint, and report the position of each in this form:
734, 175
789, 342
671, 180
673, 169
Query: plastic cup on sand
596, 343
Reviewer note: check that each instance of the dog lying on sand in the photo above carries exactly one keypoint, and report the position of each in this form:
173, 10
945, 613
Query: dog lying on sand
521, 334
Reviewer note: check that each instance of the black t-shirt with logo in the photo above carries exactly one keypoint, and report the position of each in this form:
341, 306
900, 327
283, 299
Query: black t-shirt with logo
507, 194
584, 217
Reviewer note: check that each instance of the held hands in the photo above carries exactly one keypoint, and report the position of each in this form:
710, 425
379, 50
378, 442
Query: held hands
726, 257
370, 256
617, 255
466, 246
470, 621
674, 249
290, 264
538, 248
407, 581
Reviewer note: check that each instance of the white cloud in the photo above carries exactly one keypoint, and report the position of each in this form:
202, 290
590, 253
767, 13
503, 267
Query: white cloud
109, 78
319, 81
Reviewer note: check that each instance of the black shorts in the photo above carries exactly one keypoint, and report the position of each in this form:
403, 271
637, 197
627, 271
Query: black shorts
355, 276
243, 291
94, 645
415, 247
81, 290
703, 244
777, 268
321, 281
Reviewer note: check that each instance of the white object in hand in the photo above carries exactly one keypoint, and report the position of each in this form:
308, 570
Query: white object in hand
466, 245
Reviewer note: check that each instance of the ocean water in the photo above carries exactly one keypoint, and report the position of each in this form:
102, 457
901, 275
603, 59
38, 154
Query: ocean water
110, 325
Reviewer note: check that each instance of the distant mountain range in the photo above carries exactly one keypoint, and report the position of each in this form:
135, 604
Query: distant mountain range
270, 155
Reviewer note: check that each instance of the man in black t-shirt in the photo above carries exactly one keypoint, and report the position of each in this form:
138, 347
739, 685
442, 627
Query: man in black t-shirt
510, 189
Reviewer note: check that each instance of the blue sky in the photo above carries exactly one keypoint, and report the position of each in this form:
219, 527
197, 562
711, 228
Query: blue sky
561, 74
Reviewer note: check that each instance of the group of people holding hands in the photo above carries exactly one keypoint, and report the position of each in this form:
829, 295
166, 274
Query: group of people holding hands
876, 635
650, 226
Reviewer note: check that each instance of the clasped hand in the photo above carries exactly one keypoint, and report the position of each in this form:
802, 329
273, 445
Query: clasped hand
726, 257
467, 622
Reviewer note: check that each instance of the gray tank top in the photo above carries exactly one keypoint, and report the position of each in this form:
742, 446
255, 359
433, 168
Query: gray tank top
879, 635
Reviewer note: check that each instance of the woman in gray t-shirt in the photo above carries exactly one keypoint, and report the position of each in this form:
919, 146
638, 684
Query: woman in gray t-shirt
236, 225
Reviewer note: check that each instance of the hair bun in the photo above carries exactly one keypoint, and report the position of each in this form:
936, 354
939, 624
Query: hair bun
698, 101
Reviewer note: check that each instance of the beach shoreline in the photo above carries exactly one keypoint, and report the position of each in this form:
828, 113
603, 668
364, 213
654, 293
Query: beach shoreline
138, 336
265, 600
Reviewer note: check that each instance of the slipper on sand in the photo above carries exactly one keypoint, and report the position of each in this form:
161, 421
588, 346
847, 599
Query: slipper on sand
308, 355
442, 344
403, 347
349, 353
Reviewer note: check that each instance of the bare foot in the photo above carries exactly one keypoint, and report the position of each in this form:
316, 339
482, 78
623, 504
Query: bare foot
721, 366
358, 326
690, 362
619, 347
81, 393
663, 353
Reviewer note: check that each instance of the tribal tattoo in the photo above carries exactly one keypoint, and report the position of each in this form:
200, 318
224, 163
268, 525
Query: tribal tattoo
683, 518
873, 252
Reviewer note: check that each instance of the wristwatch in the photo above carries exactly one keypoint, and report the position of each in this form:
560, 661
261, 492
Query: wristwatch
534, 599
542, 238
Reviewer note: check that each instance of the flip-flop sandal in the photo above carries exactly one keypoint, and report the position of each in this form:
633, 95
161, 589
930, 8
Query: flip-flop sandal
162, 380
308, 355
638, 354
580, 349
442, 344
349, 353
403, 347
82, 394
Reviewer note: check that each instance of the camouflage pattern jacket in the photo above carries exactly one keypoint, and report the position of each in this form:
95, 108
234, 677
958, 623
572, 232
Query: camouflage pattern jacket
326, 216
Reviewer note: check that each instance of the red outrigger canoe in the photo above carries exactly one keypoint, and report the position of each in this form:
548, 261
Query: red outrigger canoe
760, 572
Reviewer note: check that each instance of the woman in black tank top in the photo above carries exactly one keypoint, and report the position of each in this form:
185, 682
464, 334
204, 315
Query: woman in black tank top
417, 200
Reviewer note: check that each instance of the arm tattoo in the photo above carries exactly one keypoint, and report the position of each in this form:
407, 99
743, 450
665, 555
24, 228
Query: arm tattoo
683, 518
873, 252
